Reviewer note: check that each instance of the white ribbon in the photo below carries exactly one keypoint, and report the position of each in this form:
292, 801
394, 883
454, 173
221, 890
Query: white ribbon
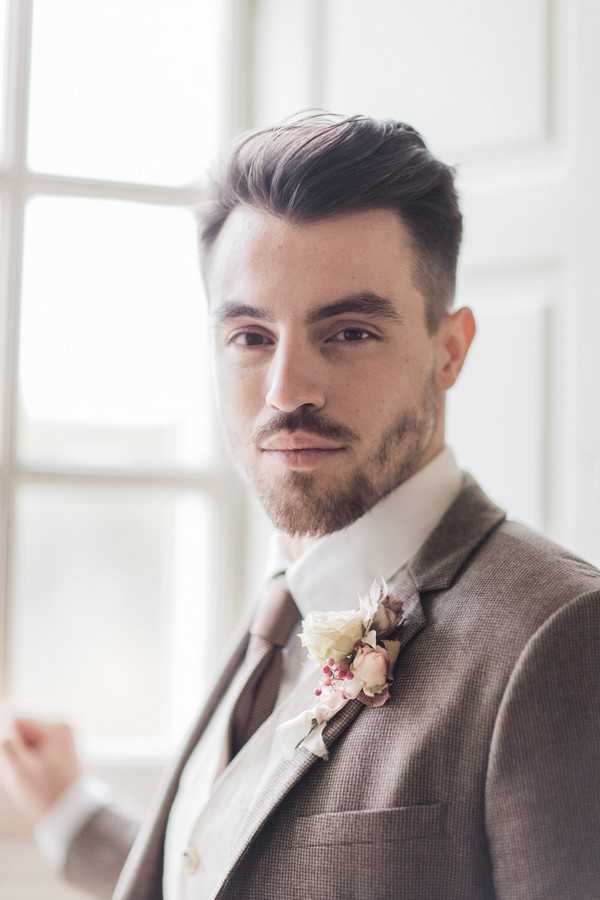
306, 729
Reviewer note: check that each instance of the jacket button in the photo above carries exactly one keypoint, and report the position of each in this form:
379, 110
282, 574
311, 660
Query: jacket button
191, 860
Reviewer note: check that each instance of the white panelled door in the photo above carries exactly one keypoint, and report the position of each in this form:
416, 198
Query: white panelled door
507, 93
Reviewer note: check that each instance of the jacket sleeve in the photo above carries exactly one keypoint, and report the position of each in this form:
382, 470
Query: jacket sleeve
98, 850
542, 796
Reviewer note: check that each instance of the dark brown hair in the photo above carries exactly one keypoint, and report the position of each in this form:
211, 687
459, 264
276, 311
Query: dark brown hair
315, 165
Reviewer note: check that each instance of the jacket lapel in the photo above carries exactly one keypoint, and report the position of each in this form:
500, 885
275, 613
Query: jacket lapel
464, 526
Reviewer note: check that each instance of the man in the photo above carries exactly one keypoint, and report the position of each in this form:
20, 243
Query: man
329, 259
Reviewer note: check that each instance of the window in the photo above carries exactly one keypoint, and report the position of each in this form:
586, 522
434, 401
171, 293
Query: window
113, 514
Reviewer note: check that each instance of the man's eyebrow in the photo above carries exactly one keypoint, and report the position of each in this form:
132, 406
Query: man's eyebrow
364, 302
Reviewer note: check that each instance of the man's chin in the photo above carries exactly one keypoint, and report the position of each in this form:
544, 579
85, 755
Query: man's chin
292, 506
298, 505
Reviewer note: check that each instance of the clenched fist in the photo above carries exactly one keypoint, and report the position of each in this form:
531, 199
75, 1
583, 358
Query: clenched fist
38, 762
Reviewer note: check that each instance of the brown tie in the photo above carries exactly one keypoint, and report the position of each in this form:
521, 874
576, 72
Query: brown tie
276, 614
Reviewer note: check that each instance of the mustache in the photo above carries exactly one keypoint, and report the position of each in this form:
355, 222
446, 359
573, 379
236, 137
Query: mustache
305, 420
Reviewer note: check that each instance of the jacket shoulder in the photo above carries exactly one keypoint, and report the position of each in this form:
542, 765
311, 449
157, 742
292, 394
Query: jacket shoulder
530, 575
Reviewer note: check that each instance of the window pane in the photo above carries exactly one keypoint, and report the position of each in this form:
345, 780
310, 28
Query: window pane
3, 326
126, 89
113, 361
101, 575
3, 59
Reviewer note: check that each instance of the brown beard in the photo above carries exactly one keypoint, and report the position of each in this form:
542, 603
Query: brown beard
302, 506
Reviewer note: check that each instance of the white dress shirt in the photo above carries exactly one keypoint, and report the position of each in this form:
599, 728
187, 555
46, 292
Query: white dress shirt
213, 797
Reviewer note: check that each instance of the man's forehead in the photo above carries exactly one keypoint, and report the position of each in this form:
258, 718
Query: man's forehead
256, 250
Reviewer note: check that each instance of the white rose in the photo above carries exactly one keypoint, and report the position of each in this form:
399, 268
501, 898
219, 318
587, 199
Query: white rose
331, 634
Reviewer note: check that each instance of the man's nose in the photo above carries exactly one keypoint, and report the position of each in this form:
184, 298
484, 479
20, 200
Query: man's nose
293, 379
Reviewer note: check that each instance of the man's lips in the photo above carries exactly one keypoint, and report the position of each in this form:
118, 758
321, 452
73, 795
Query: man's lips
299, 441
306, 458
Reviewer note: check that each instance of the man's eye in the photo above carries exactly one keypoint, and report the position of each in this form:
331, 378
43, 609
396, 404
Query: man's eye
255, 339
352, 336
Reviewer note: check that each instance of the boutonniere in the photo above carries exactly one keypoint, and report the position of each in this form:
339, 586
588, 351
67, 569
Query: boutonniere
356, 650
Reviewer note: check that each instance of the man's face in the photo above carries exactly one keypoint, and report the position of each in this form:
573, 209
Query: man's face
320, 342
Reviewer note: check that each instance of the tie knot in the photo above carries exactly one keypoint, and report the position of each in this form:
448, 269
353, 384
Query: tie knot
276, 613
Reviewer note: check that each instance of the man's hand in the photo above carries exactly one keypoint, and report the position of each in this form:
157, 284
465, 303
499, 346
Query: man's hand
38, 762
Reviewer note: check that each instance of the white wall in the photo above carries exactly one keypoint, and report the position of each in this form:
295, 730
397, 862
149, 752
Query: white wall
508, 93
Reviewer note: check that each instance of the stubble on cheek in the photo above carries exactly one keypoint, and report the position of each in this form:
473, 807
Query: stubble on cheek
408, 436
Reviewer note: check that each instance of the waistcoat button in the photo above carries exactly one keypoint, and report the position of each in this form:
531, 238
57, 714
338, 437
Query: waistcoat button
191, 860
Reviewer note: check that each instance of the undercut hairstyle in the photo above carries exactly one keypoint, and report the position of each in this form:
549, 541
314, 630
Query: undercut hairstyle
316, 165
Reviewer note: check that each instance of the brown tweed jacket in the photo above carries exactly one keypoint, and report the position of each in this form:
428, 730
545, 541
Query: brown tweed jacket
479, 779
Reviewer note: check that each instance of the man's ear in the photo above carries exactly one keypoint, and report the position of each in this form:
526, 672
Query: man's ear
456, 333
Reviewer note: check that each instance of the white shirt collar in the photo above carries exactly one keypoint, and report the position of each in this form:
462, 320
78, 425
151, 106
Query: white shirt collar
339, 566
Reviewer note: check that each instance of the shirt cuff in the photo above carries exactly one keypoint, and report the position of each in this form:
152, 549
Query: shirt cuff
55, 831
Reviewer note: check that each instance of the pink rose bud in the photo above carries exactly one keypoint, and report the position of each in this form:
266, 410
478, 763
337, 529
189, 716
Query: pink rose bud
318, 692
331, 661
372, 665
326, 670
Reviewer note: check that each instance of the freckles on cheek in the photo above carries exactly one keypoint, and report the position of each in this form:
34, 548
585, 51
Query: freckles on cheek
358, 395
369, 398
